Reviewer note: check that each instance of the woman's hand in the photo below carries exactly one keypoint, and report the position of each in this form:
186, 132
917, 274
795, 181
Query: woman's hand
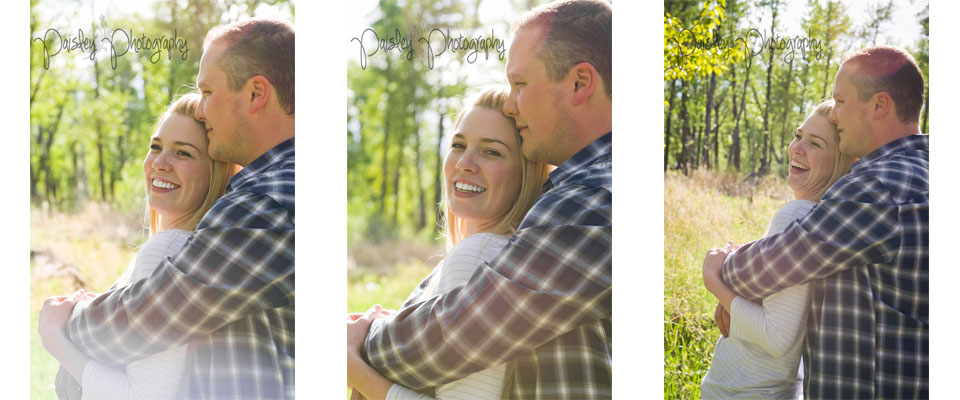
360, 376
53, 319
713, 274
359, 324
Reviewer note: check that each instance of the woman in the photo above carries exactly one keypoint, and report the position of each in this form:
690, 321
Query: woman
488, 188
761, 356
182, 183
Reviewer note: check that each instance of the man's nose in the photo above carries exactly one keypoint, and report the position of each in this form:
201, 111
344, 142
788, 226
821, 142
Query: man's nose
198, 113
510, 106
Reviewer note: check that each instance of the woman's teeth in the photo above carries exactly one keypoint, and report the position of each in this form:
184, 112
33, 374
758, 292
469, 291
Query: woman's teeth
466, 187
163, 185
796, 164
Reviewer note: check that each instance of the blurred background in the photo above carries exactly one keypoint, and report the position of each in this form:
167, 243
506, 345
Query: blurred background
730, 112
90, 125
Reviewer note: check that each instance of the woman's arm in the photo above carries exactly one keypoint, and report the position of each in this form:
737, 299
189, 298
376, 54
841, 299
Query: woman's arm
775, 325
52, 321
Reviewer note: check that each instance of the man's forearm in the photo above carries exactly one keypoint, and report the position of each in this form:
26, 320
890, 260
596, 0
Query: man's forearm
497, 315
183, 300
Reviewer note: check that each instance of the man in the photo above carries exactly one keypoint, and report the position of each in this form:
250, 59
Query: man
545, 301
230, 290
864, 247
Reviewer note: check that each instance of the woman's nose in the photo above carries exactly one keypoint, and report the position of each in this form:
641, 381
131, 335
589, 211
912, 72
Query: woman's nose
467, 162
162, 162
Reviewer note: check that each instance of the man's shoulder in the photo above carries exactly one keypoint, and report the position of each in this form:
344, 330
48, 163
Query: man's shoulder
902, 175
574, 203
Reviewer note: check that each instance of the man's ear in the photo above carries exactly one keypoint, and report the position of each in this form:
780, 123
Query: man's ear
882, 105
260, 91
585, 80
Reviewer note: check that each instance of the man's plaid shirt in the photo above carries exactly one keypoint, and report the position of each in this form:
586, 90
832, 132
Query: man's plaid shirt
864, 249
230, 290
545, 300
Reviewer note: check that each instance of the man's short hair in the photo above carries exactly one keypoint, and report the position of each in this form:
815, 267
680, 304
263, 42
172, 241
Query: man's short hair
892, 70
574, 31
258, 47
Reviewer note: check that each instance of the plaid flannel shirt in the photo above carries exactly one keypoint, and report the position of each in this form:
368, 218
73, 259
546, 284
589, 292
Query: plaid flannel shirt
230, 291
545, 300
864, 249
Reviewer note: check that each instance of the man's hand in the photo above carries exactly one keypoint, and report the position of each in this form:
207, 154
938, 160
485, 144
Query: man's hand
723, 320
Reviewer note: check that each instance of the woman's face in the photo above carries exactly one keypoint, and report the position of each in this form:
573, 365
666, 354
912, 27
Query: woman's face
483, 168
177, 169
812, 158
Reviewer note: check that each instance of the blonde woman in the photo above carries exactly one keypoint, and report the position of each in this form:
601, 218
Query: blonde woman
761, 356
488, 188
182, 183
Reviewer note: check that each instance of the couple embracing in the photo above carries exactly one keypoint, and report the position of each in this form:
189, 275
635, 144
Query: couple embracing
520, 307
206, 309
842, 278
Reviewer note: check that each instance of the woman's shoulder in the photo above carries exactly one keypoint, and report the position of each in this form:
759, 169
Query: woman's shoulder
160, 245
170, 240
793, 210
478, 244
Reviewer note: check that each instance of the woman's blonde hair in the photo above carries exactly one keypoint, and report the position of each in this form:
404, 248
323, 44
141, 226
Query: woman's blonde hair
220, 171
841, 161
533, 176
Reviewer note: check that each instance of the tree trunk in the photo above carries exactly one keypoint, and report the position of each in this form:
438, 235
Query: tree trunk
826, 68
706, 119
685, 129
438, 182
669, 117
421, 196
786, 113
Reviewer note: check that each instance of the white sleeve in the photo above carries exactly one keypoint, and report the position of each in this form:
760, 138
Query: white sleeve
776, 324
156, 377
400, 392
466, 257
103, 382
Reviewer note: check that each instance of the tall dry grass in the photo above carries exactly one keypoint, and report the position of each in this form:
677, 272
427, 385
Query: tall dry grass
703, 211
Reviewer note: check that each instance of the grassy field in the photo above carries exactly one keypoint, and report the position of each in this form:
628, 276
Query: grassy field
89, 250
703, 211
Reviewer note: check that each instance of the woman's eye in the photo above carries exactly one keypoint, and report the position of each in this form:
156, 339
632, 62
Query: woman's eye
796, 136
184, 154
457, 146
493, 153
155, 147
817, 145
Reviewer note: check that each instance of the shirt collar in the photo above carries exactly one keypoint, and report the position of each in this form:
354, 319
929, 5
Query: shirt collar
278, 153
906, 143
598, 149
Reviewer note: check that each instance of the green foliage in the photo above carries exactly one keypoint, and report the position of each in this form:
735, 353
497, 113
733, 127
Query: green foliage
799, 79
692, 51
90, 121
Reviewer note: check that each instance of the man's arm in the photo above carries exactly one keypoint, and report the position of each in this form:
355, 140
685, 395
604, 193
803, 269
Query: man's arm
547, 281
241, 264
858, 225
